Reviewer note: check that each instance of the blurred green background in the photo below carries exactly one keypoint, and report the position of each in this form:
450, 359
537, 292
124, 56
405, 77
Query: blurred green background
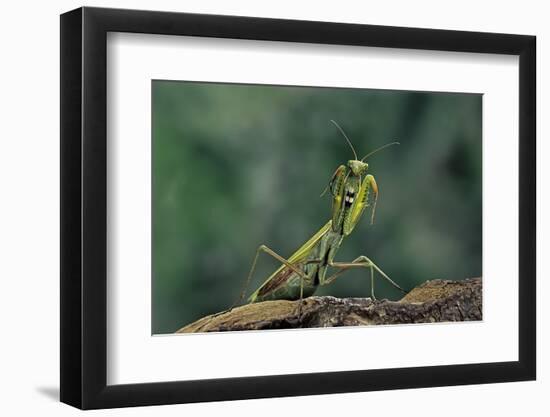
235, 166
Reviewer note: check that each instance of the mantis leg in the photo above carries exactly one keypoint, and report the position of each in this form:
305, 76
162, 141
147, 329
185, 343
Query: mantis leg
363, 262
269, 251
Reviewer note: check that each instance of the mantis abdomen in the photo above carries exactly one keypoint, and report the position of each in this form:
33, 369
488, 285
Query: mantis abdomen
285, 283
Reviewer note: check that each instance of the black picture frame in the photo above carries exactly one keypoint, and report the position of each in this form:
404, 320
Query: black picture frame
84, 207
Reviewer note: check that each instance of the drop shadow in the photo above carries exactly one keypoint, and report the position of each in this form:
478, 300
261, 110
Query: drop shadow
50, 392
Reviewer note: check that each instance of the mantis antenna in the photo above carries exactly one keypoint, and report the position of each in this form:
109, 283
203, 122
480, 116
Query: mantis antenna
343, 133
379, 149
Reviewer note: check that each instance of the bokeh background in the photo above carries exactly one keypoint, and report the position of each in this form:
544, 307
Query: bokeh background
235, 166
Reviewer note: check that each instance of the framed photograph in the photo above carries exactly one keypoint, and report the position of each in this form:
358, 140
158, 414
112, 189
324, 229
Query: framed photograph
257, 208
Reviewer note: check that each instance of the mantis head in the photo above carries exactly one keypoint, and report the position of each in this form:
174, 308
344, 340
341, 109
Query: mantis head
358, 168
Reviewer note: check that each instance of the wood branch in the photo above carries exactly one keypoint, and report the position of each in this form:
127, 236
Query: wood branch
433, 301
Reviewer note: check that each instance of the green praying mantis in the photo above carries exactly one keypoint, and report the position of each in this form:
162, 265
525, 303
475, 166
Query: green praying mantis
301, 274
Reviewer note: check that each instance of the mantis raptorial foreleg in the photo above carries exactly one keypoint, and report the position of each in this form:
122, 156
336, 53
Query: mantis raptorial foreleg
359, 262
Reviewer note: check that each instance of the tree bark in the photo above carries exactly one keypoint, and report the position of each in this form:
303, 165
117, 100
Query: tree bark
433, 301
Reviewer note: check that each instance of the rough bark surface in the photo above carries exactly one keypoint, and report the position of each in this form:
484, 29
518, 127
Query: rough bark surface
433, 301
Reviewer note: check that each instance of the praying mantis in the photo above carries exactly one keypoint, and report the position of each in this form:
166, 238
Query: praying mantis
305, 270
